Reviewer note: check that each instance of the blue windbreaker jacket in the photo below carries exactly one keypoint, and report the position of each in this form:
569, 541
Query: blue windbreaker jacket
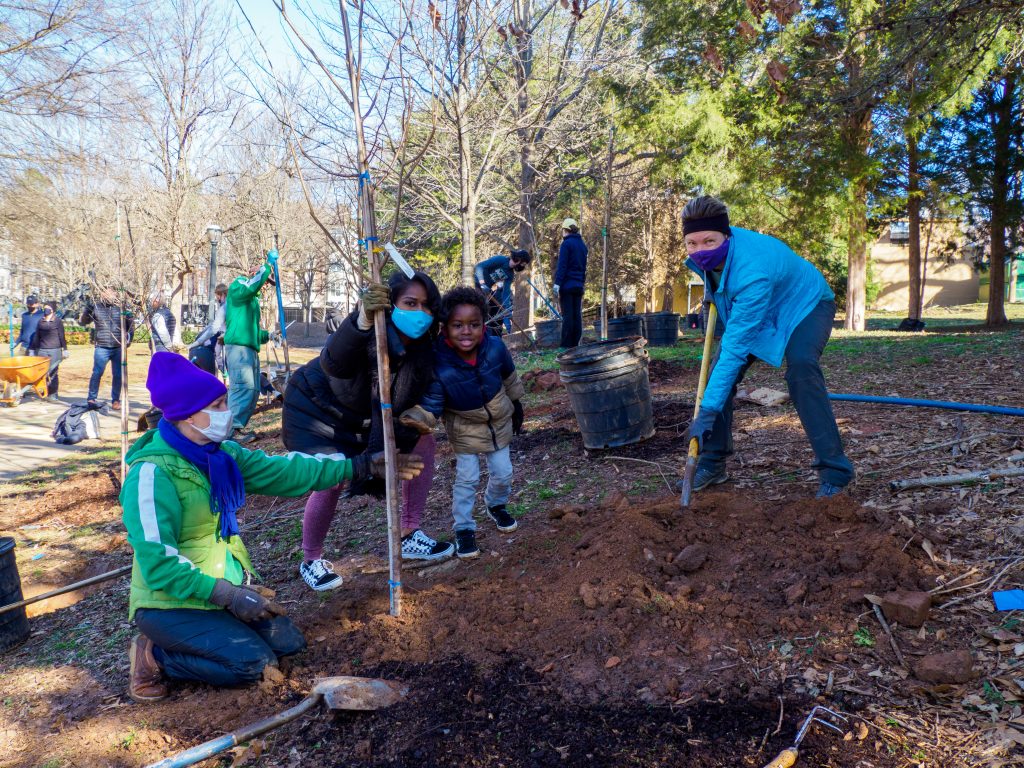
766, 290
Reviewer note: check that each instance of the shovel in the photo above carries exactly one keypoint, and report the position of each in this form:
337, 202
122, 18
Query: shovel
705, 365
353, 693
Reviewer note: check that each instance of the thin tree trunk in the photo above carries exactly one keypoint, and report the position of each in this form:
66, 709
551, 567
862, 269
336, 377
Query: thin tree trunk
914, 307
467, 196
1002, 128
856, 279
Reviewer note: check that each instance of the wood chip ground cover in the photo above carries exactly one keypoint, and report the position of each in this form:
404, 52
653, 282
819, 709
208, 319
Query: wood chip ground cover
608, 630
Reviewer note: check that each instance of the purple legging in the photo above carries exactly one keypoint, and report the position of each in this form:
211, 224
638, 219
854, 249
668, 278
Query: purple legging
321, 505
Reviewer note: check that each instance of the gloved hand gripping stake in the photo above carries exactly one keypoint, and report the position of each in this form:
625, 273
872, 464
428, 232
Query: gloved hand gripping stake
705, 366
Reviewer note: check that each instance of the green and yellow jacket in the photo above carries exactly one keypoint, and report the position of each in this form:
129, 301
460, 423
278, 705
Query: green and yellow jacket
243, 310
166, 509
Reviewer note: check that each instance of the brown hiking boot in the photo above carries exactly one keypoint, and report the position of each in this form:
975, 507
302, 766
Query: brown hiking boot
146, 679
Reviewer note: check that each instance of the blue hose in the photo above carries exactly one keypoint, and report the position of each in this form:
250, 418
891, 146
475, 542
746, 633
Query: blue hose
998, 409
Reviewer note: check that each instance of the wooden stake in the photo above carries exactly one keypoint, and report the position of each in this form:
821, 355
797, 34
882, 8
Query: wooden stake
369, 232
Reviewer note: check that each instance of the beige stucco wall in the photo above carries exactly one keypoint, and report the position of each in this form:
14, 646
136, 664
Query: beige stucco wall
949, 280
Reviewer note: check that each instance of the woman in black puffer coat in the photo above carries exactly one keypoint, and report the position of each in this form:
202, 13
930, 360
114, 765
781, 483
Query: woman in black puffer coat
332, 405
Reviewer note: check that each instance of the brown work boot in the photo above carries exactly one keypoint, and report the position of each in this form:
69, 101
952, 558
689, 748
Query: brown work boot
146, 679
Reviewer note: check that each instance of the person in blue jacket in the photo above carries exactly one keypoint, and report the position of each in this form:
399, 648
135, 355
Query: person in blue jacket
774, 306
29, 323
570, 276
495, 277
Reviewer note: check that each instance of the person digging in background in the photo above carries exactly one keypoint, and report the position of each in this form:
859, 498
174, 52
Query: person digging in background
477, 390
50, 342
198, 618
29, 322
570, 278
495, 277
207, 350
243, 338
331, 405
106, 314
774, 306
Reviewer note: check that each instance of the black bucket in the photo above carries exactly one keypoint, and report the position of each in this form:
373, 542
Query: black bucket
609, 391
625, 327
661, 328
549, 333
694, 322
13, 624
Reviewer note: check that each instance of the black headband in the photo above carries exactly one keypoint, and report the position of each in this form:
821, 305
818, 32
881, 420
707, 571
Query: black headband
719, 223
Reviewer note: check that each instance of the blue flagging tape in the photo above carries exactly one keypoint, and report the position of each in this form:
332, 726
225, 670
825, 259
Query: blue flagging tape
385, 405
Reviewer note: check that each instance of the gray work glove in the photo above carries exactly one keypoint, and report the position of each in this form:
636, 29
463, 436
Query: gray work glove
244, 604
375, 298
418, 418
366, 465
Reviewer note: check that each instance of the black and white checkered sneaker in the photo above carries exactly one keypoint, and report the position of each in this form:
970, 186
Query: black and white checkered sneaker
320, 575
418, 546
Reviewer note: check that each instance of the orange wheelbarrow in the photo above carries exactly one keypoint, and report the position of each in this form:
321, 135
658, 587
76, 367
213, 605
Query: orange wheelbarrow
20, 374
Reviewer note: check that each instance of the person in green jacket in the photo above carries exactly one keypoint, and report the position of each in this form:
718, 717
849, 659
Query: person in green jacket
243, 338
199, 619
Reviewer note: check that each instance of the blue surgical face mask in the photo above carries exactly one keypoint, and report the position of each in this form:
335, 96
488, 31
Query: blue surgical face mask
412, 322
712, 258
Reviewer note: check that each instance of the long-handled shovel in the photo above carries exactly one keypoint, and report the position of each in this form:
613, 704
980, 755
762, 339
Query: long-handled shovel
705, 365
353, 693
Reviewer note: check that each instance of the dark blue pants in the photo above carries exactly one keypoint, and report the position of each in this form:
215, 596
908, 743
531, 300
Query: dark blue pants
572, 317
213, 646
807, 390
100, 357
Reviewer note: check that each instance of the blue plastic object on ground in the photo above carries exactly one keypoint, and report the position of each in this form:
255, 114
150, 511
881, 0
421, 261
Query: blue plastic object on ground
998, 409
1009, 600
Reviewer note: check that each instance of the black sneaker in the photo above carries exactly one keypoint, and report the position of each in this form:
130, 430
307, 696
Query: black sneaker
502, 518
465, 544
418, 546
319, 575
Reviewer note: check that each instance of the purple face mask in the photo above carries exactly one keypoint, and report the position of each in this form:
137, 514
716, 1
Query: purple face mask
713, 258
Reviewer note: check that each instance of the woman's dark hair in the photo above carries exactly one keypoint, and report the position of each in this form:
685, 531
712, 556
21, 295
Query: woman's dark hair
704, 207
459, 296
399, 282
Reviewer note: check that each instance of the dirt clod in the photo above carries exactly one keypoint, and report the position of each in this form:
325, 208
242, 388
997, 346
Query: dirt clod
910, 609
949, 667
691, 558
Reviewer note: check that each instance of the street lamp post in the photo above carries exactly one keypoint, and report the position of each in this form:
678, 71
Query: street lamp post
213, 232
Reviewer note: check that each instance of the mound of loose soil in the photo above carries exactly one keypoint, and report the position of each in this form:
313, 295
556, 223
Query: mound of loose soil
636, 598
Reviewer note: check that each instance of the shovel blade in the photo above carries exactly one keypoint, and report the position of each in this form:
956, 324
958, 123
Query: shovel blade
360, 693
687, 483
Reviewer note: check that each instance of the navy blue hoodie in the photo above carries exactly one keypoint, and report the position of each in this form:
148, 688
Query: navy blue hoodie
571, 272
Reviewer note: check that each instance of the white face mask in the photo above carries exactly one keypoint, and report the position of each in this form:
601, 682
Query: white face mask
221, 426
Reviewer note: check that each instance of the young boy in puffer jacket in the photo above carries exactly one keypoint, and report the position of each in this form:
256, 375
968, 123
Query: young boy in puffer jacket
477, 390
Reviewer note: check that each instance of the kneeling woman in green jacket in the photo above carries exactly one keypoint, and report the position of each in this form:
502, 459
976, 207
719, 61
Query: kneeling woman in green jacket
198, 618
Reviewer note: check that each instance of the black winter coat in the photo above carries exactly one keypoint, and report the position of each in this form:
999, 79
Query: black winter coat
108, 324
331, 403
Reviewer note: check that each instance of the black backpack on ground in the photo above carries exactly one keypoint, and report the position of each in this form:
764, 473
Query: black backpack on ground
77, 423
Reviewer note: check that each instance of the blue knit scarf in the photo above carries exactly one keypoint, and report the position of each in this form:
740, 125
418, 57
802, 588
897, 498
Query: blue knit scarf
227, 488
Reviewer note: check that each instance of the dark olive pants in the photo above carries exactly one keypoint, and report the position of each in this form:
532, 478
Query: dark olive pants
807, 390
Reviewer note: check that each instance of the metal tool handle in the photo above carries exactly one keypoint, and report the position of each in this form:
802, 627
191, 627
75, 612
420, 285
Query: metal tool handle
785, 759
69, 588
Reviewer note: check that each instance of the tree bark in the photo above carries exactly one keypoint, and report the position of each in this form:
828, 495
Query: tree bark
858, 142
914, 288
467, 201
1001, 130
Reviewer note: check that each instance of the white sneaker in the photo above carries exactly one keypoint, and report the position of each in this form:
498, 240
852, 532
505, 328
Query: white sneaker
418, 546
320, 575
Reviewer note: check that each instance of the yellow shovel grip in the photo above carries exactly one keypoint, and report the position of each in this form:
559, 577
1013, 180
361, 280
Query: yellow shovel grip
785, 759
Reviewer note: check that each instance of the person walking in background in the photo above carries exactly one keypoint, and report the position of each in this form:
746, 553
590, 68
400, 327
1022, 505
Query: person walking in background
207, 350
162, 323
495, 277
106, 315
774, 306
50, 342
243, 338
570, 277
29, 321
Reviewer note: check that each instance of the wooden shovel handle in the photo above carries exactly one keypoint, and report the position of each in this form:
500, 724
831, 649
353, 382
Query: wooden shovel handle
785, 759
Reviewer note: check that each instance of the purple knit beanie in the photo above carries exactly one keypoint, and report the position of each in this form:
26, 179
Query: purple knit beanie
178, 388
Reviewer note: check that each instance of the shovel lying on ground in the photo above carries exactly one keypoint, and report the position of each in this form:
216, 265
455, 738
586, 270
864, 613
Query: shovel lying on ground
353, 693
787, 757
705, 366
